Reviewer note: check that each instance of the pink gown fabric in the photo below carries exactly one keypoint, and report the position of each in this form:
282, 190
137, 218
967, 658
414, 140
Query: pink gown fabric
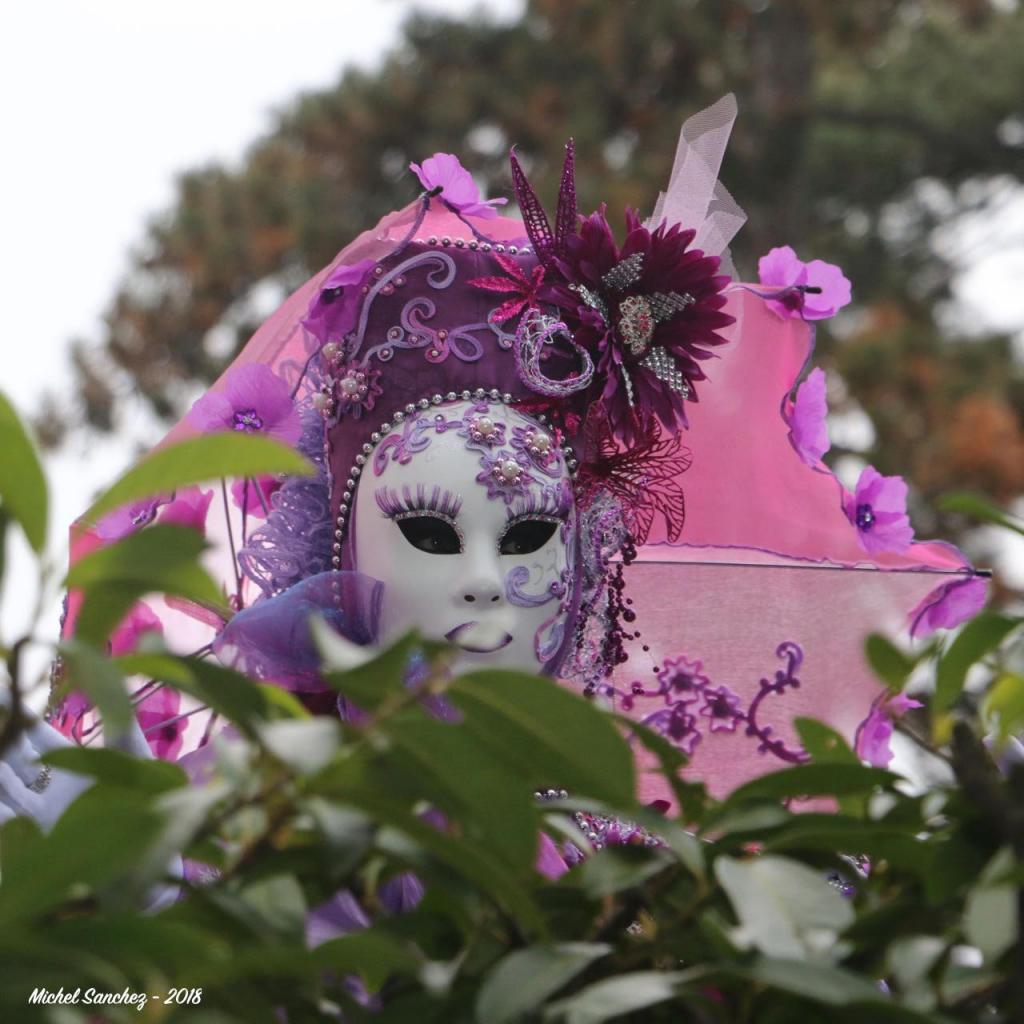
767, 556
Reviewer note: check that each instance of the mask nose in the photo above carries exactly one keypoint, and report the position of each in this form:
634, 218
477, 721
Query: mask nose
483, 583
484, 592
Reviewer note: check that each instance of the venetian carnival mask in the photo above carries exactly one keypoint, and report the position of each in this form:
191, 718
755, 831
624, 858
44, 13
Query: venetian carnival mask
466, 519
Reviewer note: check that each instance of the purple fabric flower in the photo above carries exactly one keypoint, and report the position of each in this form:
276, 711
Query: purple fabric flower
722, 707
539, 446
332, 314
141, 619
254, 401
155, 714
129, 518
682, 679
781, 268
948, 605
878, 509
482, 431
875, 732
808, 430
356, 389
458, 190
252, 495
189, 508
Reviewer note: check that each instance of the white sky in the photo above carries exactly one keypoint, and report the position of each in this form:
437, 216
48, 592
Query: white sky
103, 102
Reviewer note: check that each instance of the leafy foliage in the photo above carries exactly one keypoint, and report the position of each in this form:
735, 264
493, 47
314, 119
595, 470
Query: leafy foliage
746, 911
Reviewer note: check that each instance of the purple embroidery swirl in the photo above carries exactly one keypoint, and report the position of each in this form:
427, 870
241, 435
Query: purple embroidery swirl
535, 331
441, 276
402, 447
517, 578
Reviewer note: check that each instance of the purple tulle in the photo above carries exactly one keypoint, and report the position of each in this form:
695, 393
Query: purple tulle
295, 541
272, 639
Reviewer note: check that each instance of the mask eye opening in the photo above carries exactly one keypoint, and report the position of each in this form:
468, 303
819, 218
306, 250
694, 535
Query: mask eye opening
430, 532
527, 534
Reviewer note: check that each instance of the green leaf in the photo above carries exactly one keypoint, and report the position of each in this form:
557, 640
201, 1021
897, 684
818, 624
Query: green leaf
117, 768
98, 678
889, 663
978, 508
280, 905
554, 736
305, 745
101, 837
474, 861
197, 460
525, 979
1003, 707
225, 691
851, 835
692, 797
615, 997
371, 953
368, 683
784, 907
826, 746
23, 492
982, 635
4, 520
823, 743
159, 559
811, 780
820, 982
617, 868
453, 767
990, 914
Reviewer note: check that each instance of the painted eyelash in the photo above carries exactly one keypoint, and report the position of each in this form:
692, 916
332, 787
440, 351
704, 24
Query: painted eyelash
440, 502
552, 504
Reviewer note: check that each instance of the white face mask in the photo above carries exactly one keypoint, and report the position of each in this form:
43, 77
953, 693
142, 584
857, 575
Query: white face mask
465, 514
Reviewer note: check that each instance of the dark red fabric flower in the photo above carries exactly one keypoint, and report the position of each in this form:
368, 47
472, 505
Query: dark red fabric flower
649, 313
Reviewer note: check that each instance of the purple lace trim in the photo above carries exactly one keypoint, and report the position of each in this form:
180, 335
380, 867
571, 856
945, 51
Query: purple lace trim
603, 534
295, 541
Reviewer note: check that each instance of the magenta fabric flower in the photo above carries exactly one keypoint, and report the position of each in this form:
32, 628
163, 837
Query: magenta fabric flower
332, 314
129, 518
722, 707
875, 732
781, 268
141, 619
947, 606
254, 401
458, 189
878, 509
682, 679
808, 430
245, 494
189, 508
156, 714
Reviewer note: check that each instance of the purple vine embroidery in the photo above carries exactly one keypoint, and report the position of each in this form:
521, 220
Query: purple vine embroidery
682, 685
